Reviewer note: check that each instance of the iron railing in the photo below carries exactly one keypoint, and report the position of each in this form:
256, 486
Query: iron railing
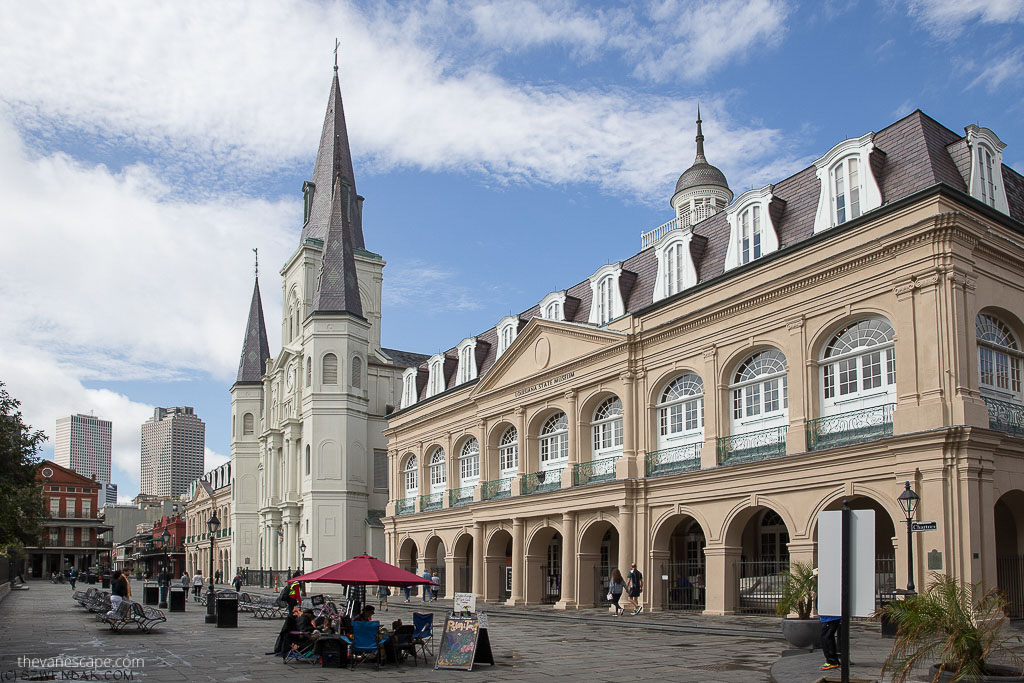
760, 584
1010, 579
498, 488
1005, 416
673, 460
539, 482
462, 496
684, 585
856, 426
594, 471
763, 444
405, 506
431, 501
651, 236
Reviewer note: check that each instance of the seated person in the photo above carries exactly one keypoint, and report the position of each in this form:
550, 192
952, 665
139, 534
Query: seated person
366, 614
284, 638
305, 621
396, 624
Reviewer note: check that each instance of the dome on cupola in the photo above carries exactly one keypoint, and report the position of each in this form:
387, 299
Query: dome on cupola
702, 189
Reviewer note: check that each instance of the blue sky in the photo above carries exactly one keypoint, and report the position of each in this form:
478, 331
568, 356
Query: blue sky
505, 150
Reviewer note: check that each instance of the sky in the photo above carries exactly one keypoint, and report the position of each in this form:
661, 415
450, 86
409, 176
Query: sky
506, 149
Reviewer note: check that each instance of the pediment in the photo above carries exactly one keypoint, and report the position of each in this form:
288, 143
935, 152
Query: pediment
541, 348
201, 494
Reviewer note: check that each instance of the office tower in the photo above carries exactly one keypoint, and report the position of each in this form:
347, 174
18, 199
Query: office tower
82, 443
173, 442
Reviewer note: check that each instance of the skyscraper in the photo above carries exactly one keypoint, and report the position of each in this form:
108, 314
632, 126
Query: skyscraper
82, 443
173, 442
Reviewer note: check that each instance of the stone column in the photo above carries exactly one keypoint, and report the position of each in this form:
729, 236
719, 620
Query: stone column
573, 439
629, 417
450, 572
656, 588
626, 549
800, 372
717, 408
478, 560
722, 579
518, 560
522, 440
568, 596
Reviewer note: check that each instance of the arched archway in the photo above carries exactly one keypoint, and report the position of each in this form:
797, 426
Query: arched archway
885, 533
597, 555
544, 567
497, 586
761, 536
433, 561
463, 563
1008, 514
679, 550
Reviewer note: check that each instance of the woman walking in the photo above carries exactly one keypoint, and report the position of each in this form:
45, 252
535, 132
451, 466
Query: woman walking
615, 587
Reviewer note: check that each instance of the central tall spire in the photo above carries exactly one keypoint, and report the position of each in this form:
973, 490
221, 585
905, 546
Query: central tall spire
700, 140
333, 160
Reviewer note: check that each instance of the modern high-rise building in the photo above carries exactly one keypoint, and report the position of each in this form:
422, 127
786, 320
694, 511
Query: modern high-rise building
108, 494
173, 442
82, 443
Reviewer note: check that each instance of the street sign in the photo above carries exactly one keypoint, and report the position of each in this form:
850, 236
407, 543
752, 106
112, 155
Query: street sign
924, 526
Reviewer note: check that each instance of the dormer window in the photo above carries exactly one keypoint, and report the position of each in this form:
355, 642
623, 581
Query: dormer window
467, 360
750, 225
848, 187
435, 382
552, 307
676, 270
508, 328
606, 302
409, 387
750, 234
986, 181
987, 185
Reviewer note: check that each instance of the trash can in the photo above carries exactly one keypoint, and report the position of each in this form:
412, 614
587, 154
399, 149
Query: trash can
106, 580
177, 599
889, 627
150, 593
227, 609
90, 578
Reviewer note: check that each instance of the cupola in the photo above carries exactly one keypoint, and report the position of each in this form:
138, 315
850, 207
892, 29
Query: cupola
702, 189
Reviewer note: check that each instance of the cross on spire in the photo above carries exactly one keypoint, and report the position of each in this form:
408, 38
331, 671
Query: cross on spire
257, 253
337, 44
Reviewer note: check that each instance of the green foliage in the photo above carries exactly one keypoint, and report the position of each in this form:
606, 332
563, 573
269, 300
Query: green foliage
957, 626
798, 591
22, 506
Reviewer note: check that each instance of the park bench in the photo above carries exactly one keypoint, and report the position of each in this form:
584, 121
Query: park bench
245, 602
120, 618
99, 602
86, 596
146, 617
266, 607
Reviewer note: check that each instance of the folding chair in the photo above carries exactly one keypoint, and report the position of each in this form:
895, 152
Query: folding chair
424, 633
404, 645
304, 650
365, 641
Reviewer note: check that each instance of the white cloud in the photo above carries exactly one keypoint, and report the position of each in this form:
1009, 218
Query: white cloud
212, 459
948, 18
1006, 67
514, 25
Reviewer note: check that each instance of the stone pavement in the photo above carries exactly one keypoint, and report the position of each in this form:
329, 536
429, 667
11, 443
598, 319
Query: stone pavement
530, 644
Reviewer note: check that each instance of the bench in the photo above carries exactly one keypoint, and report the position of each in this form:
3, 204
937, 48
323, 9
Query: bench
267, 608
84, 597
146, 617
99, 603
119, 618
245, 602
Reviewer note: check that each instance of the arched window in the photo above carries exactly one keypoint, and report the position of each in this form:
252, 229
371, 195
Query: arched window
774, 543
411, 477
604, 300
988, 189
247, 424
750, 234
859, 367
330, 369
998, 358
760, 395
846, 189
508, 453
409, 387
674, 265
308, 460
607, 428
554, 442
469, 462
309, 371
357, 372
438, 478
681, 412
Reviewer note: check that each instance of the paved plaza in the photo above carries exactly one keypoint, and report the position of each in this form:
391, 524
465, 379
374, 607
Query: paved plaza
530, 644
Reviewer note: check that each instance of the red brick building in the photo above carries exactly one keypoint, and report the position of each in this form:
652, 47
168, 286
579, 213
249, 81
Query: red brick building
150, 553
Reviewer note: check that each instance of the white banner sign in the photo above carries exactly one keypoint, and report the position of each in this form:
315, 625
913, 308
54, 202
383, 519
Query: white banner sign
464, 602
862, 563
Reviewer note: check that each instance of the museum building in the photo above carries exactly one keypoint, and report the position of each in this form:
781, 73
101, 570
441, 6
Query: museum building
762, 358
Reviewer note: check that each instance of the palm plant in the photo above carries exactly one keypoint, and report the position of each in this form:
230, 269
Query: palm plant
958, 625
798, 591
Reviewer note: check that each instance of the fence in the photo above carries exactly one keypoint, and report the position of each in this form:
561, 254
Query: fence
684, 588
760, 584
1010, 577
264, 578
551, 584
602, 577
885, 577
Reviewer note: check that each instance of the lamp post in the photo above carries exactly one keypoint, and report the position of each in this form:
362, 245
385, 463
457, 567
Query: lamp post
166, 538
212, 525
908, 501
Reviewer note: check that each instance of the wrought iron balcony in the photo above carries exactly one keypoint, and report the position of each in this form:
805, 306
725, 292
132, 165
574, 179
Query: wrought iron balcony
594, 471
763, 444
856, 426
685, 458
539, 482
499, 488
1005, 416
462, 496
431, 501
405, 506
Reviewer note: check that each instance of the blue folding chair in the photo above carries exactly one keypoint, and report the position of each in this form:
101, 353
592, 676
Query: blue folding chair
424, 634
365, 641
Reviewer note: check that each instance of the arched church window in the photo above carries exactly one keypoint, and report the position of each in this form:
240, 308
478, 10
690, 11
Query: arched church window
330, 369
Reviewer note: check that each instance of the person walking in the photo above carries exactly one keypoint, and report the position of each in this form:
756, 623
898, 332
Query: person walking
73, 577
426, 586
634, 587
294, 595
382, 597
197, 585
436, 587
408, 592
237, 583
186, 582
615, 587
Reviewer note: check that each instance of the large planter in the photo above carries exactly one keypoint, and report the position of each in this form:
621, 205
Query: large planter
1001, 674
802, 633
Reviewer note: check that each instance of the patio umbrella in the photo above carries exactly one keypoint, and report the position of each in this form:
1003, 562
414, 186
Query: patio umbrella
364, 569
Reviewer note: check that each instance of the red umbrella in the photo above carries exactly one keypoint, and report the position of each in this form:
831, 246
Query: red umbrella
363, 569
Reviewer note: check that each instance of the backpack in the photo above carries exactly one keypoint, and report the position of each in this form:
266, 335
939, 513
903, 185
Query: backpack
283, 597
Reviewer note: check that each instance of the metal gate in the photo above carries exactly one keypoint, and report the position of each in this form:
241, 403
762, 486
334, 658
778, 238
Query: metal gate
885, 578
760, 584
601, 581
551, 584
684, 587
505, 583
1010, 577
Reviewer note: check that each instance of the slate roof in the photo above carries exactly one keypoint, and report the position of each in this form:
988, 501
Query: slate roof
405, 359
912, 154
255, 349
337, 288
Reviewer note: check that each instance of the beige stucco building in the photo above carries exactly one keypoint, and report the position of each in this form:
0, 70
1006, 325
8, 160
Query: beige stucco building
761, 359
207, 495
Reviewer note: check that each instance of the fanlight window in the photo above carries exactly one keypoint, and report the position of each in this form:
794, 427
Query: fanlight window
330, 368
860, 362
554, 441
681, 408
437, 474
750, 234
607, 427
410, 476
759, 388
469, 462
998, 358
508, 452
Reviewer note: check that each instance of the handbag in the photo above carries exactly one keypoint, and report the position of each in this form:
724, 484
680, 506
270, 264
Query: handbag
609, 596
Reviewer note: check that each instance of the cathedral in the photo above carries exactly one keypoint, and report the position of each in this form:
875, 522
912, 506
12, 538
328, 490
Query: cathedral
307, 450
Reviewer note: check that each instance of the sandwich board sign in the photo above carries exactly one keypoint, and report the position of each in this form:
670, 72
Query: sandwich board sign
463, 642
862, 565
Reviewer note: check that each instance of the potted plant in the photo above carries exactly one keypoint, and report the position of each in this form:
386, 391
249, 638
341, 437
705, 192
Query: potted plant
799, 587
956, 628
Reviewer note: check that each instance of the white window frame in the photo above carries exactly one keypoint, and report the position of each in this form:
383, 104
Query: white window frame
508, 453
675, 410
467, 360
606, 298
676, 271
469, 462
1000, 359
606, 429
436, 471
986, 180
507, 329
410, 477
843, 374
552, 307
836, 161
553, 443
746, 206
435, 381
750, 394
409, 387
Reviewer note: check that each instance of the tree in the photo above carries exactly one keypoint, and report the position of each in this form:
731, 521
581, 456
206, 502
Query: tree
22, 505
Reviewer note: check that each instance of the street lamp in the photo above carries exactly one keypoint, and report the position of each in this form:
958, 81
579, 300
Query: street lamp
908, 501
302, 556
164, 575
212, 525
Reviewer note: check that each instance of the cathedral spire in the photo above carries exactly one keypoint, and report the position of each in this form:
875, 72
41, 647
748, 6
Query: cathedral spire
255, 349
337, 288
333, 160
700, 140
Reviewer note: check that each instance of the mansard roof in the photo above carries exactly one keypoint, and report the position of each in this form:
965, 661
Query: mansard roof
911, 156
255, 349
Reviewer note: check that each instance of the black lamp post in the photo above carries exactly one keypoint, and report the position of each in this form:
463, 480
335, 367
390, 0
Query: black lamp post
908, 501
302, 556
212, 526
165, 537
